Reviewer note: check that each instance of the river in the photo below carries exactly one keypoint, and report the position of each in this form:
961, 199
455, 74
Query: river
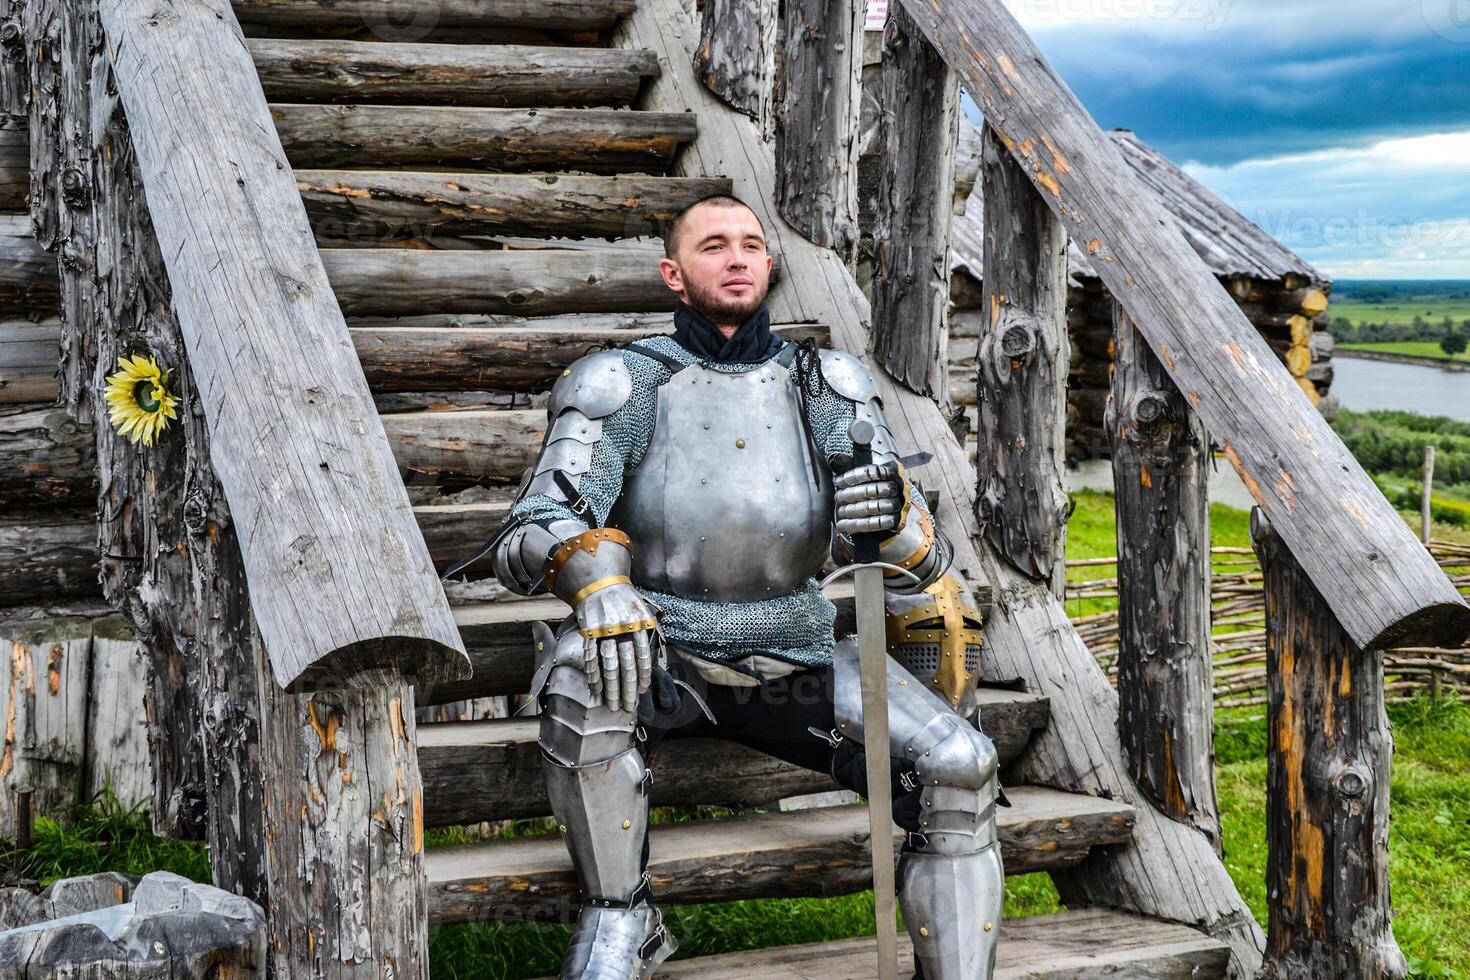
1363, 385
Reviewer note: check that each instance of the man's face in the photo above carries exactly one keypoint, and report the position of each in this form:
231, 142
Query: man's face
720, 266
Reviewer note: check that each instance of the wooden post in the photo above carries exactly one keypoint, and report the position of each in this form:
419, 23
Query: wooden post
1328, 753
1161, 479
1426, 500
919, 111
169, 557
1022, 361
273, 362
344, 832
734, 60
817, 102
1376, 576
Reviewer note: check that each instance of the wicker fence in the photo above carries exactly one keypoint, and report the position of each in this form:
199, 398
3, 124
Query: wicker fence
1240, 628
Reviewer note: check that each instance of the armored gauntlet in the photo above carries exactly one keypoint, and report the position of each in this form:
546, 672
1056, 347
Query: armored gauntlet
878, 498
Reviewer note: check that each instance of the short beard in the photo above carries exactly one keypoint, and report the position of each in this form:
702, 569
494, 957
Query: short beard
717, 310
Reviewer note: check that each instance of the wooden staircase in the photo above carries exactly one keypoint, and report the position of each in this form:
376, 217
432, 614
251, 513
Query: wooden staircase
484, 212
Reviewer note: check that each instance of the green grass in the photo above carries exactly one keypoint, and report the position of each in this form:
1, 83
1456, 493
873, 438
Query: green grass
1401, 311
1409, 348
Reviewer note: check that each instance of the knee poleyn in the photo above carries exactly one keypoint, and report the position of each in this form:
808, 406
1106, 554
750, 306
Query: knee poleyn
961, 756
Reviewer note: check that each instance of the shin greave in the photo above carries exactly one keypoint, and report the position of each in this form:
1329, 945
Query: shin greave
598, 785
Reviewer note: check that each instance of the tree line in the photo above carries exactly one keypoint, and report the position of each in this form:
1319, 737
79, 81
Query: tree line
1390, 446
1453, 338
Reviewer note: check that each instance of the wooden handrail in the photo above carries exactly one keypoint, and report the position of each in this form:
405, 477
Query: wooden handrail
341, 584
1373, 573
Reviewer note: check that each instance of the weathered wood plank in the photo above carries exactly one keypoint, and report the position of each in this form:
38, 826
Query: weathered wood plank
414, 18
47, 458
493, 444
15, 164
594, 140
1328, 754
1161, 458
818, 852
497, 75
346, 848
735, 57
817, 105
27, 273
920, 108
28, 355
389, 281
253, 301
1378, 579
1081, 945
1022, 360
47, 555
491, 770
352, 207
43, 704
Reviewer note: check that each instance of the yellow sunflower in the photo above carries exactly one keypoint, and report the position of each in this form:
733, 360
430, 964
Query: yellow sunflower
140, 406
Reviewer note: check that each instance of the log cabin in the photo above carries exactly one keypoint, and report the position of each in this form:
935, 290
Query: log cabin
364, 243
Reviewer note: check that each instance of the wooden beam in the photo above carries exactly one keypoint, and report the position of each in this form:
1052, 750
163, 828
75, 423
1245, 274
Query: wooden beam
1161, 459
47, 556
47, 458
735, 57
1022, 363
344, 804
369, 207
414, 18
1328, 755
1378, 579
27, 273
817, 852
253, 302
817, 105
498, 75
919, 108
28, 356
15, 163
395, 281
593, 140
491, 770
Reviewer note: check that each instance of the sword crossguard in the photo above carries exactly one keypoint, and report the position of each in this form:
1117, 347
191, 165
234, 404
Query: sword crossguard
853, 568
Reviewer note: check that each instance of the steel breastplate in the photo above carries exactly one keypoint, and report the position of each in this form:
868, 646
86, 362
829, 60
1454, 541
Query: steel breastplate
723, 506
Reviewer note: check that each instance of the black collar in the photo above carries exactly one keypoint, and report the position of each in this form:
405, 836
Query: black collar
751, 343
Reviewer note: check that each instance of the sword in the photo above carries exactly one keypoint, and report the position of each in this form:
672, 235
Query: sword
867, 576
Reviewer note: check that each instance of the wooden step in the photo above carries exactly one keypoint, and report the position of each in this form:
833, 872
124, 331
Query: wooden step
414, 18
803, 853
498, 75
27, 273
493, 444
15, 167
389, 281
375, 136
484, 770
1088, 944
526, 359
369, 206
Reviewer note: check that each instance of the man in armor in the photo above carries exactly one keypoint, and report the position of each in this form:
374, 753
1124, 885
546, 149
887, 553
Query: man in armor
688, 492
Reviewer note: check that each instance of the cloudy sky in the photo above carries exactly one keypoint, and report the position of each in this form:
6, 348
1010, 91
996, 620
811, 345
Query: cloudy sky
1340, 126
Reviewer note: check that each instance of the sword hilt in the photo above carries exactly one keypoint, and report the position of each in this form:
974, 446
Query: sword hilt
864, 546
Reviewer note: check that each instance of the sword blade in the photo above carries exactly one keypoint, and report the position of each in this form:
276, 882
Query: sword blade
873, 670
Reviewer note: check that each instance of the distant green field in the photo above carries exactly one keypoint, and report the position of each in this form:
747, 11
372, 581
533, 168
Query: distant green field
1410, 348
1432, 310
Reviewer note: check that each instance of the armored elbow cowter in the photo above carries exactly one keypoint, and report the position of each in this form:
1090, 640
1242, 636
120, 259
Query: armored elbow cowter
879, 497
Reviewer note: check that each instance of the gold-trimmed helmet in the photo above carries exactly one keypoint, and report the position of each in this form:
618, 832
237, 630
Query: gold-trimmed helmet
936, 634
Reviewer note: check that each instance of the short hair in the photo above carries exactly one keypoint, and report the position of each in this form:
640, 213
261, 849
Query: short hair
671, 231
